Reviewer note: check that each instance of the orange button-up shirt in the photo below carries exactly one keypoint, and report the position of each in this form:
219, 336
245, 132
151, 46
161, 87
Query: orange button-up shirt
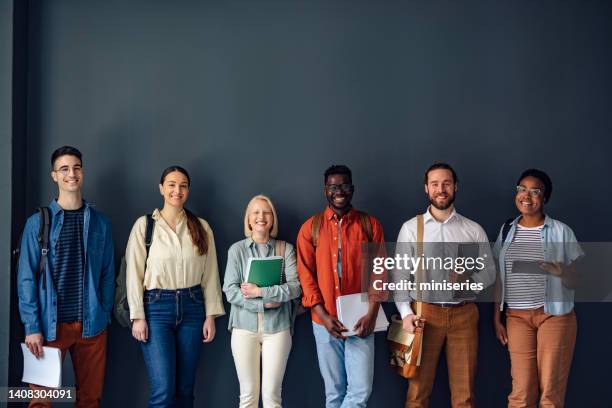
317, 267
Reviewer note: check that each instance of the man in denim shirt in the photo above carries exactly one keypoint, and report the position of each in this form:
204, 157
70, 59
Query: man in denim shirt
68, 306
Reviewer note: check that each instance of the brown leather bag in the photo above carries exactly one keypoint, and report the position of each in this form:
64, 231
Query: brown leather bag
406, 348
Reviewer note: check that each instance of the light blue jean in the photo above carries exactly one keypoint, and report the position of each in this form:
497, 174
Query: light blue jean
347, 368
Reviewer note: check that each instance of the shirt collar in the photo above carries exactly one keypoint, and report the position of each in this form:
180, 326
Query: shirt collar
249, 242
428, 217
329, 214
157, 215
55, 207
547, 221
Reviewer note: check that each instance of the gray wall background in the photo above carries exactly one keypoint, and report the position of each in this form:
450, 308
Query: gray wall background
6, 129
260, 97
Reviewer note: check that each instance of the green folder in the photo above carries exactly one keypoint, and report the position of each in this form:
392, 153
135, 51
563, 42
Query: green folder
265, 271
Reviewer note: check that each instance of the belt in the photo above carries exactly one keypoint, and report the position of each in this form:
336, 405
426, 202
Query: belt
449, 305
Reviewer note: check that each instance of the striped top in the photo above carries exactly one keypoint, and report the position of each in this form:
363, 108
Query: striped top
525, 290
69, 268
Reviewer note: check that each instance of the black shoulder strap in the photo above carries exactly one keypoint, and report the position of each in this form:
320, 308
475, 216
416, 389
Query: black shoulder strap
506, 229
149, 233
150, 225
43, 242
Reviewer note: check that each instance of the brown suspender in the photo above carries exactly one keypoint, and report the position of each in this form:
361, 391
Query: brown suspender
419, 273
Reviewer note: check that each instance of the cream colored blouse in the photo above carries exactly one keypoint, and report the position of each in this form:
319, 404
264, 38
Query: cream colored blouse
173, 263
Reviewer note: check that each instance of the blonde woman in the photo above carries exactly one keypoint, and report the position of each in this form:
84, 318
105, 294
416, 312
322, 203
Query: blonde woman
174, 293
261, 317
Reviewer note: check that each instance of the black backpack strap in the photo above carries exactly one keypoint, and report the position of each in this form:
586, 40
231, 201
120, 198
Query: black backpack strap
43, 242
506, 229
149, 234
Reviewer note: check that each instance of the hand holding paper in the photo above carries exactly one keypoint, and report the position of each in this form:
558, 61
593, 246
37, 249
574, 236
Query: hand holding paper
35, 344
46, 370
355, 313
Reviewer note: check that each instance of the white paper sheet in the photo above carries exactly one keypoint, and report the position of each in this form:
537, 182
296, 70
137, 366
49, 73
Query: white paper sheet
45, 371
351, 308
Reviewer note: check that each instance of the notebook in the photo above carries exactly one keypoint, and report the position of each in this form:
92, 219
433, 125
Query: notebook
45, 371
265, 272
353, 307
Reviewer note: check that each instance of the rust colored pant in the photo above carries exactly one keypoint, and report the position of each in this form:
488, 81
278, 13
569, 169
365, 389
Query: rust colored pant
541, 348
456, 330
88, 359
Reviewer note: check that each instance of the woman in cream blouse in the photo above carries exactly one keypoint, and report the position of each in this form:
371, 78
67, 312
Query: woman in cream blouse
175, 295
261, 317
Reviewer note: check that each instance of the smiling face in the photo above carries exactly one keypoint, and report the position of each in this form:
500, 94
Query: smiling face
440, 188
175, 189
68, 173
529, 198
339, 192
261, 217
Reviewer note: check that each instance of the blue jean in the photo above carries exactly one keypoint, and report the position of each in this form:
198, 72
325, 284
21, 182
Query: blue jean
175, 319
347, 368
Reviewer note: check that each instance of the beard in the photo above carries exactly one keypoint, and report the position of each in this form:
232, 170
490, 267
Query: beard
450, 199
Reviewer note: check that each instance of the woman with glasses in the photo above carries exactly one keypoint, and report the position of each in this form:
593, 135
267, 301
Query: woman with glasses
260, 317
537, 256
173, 291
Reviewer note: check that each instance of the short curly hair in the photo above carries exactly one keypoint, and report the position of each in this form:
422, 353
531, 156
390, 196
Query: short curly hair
338, 169
543, 177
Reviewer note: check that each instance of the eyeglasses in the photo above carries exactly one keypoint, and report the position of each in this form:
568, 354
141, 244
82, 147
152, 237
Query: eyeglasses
334, 188
65, 170
534, 192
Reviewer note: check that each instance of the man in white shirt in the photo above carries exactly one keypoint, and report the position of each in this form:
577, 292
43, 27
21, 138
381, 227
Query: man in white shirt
451, 323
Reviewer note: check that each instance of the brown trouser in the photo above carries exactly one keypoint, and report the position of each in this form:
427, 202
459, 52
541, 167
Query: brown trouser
88, 359
541, 348
455, 329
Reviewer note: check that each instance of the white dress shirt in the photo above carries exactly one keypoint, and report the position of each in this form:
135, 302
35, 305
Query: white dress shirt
455, 228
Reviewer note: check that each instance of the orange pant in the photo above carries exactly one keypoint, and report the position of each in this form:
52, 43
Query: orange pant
455, 329
541, 348
88, 359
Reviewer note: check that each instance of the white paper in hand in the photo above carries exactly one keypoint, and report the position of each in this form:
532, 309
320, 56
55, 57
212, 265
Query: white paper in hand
45, 371
351, 308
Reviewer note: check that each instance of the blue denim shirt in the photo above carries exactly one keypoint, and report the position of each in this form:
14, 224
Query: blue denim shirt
560, 245
38, 304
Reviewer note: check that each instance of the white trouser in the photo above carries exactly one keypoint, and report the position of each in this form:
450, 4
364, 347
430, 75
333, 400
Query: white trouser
272, 350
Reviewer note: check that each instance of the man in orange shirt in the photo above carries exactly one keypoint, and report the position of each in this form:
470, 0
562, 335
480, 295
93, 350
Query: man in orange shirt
329, 265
